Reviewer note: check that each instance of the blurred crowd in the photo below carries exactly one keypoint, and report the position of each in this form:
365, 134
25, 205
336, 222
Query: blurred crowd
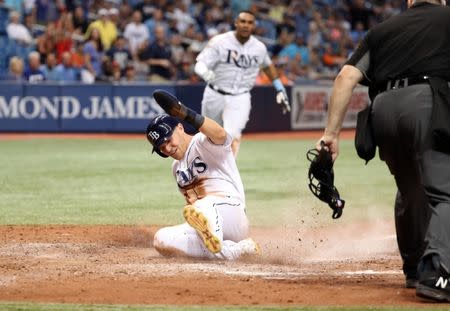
158, 40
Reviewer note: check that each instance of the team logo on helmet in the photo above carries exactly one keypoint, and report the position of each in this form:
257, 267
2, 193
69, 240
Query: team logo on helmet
153, 135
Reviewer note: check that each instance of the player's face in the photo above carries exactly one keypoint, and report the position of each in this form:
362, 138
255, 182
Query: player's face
174, 147
245, 25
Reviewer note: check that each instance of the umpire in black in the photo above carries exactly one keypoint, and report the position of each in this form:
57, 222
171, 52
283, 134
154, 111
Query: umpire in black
405, 61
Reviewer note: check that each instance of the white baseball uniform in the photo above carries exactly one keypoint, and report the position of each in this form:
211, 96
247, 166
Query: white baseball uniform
208, 178
226, 99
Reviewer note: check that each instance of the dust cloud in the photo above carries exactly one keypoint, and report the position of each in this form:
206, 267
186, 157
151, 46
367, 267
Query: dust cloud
315, 238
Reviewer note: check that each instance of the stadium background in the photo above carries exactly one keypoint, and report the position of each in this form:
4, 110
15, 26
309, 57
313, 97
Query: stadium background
309, 40
57, 76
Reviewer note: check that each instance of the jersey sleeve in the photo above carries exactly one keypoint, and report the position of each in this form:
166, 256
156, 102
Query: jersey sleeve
361, 60
266, 62
210, 54
206, 143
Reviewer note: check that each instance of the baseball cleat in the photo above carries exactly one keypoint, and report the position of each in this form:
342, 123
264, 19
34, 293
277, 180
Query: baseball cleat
199, 222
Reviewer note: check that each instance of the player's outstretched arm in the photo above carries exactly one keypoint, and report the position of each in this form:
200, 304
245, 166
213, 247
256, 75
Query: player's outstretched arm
282, 98
213, 131
175, 108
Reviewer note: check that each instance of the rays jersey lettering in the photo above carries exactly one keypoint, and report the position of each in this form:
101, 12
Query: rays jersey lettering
208, 169
190, 174
235, 65
241, 61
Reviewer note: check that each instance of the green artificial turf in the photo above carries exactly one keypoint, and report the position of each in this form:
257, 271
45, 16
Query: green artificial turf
106, 181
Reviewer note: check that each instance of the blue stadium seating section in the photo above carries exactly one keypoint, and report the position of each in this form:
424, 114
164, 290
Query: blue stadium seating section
10, 48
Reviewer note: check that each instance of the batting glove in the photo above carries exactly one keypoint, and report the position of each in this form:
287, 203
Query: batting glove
209, 75
202, 70
281, 97
175, 108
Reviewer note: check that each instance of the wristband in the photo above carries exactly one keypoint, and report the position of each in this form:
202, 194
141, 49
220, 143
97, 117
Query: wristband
278, 85
193, 118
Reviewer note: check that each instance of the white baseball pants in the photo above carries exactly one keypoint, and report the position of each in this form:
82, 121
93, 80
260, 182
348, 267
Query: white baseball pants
227, 220
230, 111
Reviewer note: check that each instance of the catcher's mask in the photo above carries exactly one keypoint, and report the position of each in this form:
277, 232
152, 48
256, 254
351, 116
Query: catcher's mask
160, 130
321, 179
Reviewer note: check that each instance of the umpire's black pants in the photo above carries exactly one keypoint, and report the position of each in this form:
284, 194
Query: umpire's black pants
401, 120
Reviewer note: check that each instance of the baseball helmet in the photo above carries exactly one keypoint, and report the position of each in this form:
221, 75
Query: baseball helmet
160, 130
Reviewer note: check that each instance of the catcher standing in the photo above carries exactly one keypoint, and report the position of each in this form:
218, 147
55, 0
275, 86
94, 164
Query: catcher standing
229, 64
206, 174
405, 61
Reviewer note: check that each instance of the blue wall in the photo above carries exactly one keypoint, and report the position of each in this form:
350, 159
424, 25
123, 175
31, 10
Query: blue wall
127, 108
77, 107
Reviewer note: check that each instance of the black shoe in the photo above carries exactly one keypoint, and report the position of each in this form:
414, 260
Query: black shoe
411, 279
434, 282
411, 282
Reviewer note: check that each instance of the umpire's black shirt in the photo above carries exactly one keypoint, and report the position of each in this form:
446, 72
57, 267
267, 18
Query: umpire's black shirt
412, 43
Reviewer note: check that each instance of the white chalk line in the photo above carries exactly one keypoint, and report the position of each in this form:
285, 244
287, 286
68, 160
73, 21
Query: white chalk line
290, 275
266, 271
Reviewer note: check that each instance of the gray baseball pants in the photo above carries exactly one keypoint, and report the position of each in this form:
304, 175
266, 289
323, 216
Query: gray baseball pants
401, 120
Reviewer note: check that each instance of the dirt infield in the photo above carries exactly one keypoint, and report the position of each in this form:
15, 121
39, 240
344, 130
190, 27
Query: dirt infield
118, 265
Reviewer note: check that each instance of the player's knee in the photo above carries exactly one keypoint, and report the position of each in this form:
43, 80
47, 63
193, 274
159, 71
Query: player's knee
161, 239
161, 243
158, 240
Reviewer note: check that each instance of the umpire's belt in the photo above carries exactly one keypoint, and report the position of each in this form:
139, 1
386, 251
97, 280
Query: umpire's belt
218, 90
401, 83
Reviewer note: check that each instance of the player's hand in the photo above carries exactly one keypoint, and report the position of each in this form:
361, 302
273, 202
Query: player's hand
208, 75
283, 100
281, 97
204, 72
175, 108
